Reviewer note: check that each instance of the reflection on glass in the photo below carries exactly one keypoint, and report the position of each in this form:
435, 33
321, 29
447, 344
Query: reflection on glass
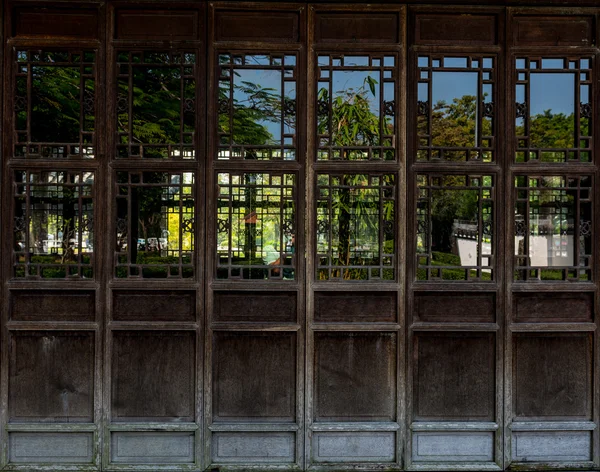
356, 227
553, 110
54, 104
553, 223
53, 224
156, 104
455, 215
155, 225
255, 226
257, 107
356, 108
455, 108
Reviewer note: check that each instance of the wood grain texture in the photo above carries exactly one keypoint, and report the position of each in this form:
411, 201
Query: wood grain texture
62, 448
552, 376
553, 307
254, 376
269, 26
52, 305
468, 29
159, 24
454, 376
355, 376
153, 376
154, 305
554, 31
357, 28
80, 23
455, 307
255, 306
356, 307
51, 376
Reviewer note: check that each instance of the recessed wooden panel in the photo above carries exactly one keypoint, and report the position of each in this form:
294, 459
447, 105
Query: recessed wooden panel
255, 306
552, 446
455, 307
553, 31
153, 376
51, 376
456, 29
554, 307
254, 447
154, 305
54, 22
552, 376
58, 448
52, 305
271, 26
355, 376
354, 446
365, 307
453, 447
157, 24
254, 376
152, 448
357, 27
454, 376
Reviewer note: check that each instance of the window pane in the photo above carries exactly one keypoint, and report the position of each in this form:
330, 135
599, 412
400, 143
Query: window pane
553, 110
455, 237
257, 107
256, 226
553, 227
356, 227
156, 104
53, 224
54, 104
155, 224
455, 108
356, 108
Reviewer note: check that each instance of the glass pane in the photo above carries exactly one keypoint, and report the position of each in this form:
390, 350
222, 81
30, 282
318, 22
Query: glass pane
455, 109
53, 225
155, 225
256, 226
553, 223
156, 105
356, 107
554, 110
257, 107
454, 114
54, 104
455, 215
356, 228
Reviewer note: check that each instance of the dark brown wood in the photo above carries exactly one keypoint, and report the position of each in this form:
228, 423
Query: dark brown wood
51, 376
254, 376
454, 376
56, 23
273, 26
355, 307
553, 376
468, 30
554, 307
52, 305
254, 306
175, 24
355, 376
357, 28
153, 376
554, 31
154, 305
455, 307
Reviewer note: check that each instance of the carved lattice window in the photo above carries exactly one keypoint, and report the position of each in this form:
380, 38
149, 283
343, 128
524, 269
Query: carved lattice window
553, 109
155, 227
53, 224
156, 104
54, 103
455, 108
553, 227
257, 106
256, 225
356, 226
356, 107
455, 221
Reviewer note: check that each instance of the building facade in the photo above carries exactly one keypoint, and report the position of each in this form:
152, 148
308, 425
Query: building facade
293, 236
